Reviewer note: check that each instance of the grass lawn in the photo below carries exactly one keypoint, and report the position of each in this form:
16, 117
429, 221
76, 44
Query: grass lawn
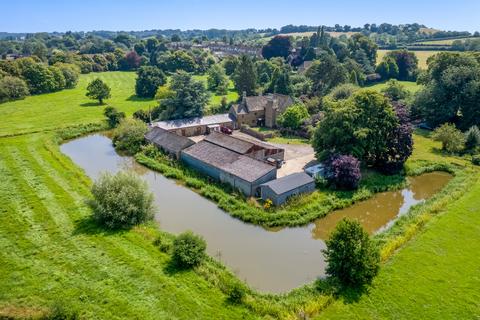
68, 107
421, 55
71, 107
413, 87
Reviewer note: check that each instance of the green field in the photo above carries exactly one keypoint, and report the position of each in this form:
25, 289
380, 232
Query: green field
53, 253
446, 42
413, 87
67, 107
421, 55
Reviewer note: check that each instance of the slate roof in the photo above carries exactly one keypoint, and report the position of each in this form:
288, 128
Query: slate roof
241, 166
257, 103
288, 183
168, 140
229, 142
193, 122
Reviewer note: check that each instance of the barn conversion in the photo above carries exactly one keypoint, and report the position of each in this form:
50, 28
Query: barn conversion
253, 149
279, 190
169, 142
189, 127
240, 171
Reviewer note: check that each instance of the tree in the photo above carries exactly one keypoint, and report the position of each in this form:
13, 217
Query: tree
177, 60
406, 62
343, 171
98, 90
60, 82
280, 82
217, 80
129, 136
113, 116
451, 138
359, 126
121, 200
12, 88
452, 90
148, 80
326, 74
278, 46
70, 73
230, 64
359, 45
388, 68
293, 117
189, 98
39, 78
352, 257
188, 250
245, 77
395, 90
472, 138
399, 143
343, 92
131, 61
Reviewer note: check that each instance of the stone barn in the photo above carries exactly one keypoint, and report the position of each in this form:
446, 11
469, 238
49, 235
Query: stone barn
169, 142
190, 127
241, 172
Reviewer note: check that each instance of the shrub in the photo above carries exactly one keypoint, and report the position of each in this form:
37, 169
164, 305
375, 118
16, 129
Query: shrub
188, 250
293, 117
472, 138
12, 88
476, 160
395, 90
236, 292
113, 116
452, 139
121, 200
352, 257
343, 91
129, 135
163, 243
343, 171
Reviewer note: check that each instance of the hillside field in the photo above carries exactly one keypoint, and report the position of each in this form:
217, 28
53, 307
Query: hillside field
421, 55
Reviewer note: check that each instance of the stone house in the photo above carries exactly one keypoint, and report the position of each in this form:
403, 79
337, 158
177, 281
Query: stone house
260, 110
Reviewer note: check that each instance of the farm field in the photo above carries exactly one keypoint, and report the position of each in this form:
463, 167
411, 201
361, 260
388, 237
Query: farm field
54, 253
421, 55
413, 87
447, 42
70, 107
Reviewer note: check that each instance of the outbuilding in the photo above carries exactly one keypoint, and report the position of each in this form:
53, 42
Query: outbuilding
189, 127
280, 190
169, 142
241, 172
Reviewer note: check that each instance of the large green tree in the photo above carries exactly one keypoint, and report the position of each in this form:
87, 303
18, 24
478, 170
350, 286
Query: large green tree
326, 74
245, 76
407, 63
352, 257
217, 80
359, 126
148, 80
278, 46
452, 90
188, 99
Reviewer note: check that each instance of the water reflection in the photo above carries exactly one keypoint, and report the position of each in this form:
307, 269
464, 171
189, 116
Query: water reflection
269, 260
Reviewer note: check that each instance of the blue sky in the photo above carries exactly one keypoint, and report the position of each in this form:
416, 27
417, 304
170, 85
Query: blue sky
86, 15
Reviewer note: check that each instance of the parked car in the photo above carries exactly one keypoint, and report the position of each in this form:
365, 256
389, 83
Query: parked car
225, 130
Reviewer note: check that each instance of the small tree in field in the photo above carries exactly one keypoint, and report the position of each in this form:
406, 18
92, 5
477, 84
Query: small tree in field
452, 139
352, 257
98, 90
188, 250
121, 200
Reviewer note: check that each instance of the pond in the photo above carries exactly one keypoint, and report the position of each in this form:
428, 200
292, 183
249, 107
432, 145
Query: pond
268, 260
